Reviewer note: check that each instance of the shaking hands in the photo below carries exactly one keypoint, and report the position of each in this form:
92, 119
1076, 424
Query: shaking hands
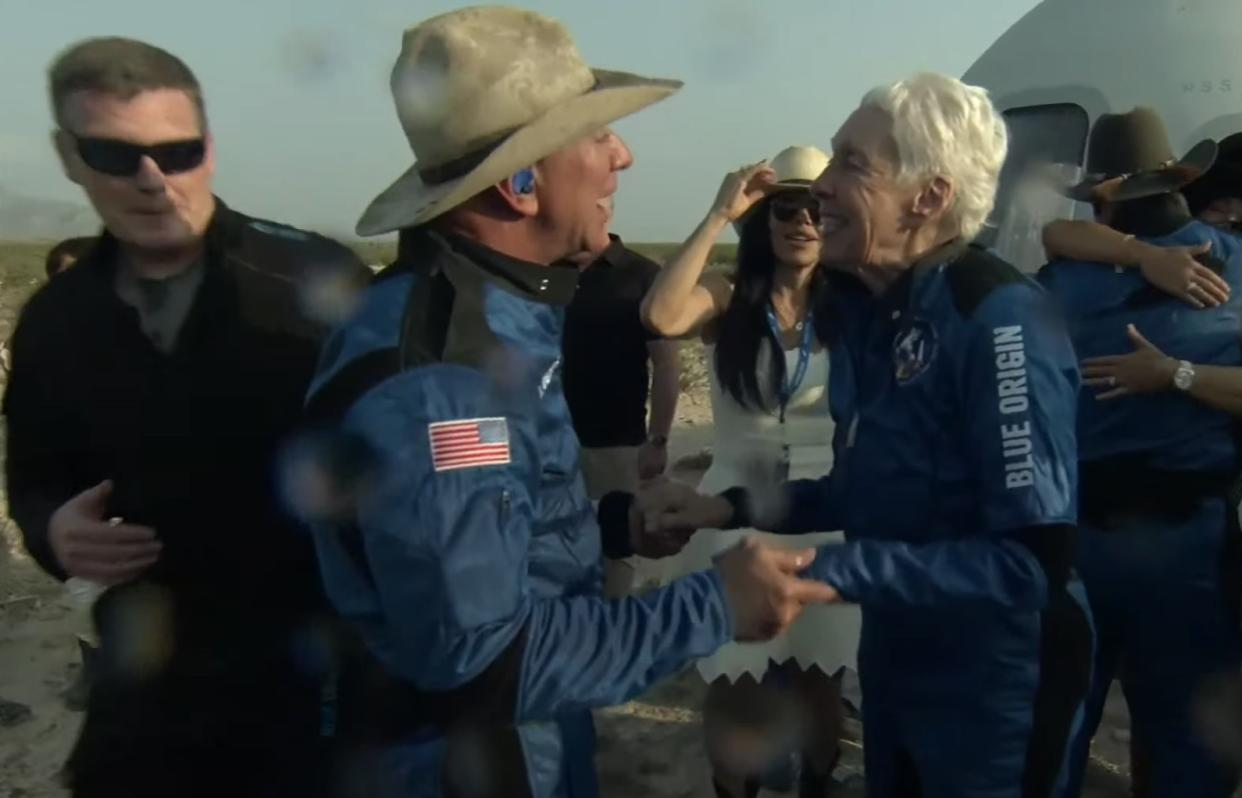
761, 583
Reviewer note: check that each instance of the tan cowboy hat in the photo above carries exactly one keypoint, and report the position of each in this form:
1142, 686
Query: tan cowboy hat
796, 168
484, 92
1129, 157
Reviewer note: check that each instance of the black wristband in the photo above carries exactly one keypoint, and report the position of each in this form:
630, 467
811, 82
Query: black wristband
614, 524
739, 500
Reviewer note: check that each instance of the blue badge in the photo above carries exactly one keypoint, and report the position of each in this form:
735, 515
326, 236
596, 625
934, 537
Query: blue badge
280, 231
914, 349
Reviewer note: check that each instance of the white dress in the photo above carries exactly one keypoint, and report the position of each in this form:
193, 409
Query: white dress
748, 446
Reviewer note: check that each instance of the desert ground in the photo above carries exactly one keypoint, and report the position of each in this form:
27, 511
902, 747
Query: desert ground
650, 747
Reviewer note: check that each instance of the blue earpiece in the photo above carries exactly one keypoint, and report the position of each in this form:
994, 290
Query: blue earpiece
524, 181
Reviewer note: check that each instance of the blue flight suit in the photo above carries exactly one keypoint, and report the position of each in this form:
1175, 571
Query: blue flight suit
475, 574
954, 396
1158, 546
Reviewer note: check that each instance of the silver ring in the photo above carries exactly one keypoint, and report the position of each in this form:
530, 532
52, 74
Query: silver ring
1112, 382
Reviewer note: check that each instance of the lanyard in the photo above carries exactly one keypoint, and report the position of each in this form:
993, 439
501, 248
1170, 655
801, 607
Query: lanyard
794, 381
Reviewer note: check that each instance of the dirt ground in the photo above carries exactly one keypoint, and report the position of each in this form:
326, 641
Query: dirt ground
650, 747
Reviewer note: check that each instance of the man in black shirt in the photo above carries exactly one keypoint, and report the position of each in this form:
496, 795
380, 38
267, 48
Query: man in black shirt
605, 372
151, 385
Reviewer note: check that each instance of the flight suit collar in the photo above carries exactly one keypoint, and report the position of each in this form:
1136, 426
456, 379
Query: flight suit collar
551, 285
897, 297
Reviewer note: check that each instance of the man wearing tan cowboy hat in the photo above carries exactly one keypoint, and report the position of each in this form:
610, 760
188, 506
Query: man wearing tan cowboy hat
1158, 545
1214, 198
471, 561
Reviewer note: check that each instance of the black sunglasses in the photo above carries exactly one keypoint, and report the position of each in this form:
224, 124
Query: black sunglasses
786, 209
122, 158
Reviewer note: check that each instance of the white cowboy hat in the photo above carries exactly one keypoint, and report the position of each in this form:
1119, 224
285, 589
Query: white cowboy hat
484, 92
796, 168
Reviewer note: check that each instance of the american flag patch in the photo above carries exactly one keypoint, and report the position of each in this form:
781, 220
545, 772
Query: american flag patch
469, 443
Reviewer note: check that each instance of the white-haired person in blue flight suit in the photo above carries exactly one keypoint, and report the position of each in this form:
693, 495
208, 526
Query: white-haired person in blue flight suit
953, 390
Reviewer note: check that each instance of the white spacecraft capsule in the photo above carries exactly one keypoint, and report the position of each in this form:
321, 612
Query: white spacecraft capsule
1068, 61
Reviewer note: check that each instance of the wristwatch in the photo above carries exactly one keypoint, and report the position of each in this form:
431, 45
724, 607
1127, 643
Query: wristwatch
1184, 377
659, 441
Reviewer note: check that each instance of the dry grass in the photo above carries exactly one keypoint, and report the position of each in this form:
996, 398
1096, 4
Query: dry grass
21, 272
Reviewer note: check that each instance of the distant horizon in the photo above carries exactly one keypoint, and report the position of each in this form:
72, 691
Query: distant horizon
348, 238
306, 133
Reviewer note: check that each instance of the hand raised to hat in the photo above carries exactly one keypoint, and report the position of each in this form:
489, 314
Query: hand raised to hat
742, 189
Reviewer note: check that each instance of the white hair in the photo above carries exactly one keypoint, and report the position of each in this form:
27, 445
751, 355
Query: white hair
945, 128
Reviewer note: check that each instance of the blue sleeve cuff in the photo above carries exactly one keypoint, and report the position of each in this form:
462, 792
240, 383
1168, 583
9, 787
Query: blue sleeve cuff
827, 568
714, 593
584, 652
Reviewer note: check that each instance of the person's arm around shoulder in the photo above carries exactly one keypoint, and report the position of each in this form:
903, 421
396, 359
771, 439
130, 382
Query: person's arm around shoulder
1174, 270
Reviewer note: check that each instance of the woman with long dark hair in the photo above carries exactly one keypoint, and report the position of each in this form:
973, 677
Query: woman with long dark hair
773, 713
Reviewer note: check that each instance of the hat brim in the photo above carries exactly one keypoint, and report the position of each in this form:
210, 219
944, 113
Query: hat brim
1165, 180
411, 201
1224, 179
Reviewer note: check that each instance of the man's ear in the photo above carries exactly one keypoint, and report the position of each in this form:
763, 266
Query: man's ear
934, 201
521, 202
62, 142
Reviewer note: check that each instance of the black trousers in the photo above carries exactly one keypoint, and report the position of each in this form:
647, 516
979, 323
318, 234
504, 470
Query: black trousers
186, 738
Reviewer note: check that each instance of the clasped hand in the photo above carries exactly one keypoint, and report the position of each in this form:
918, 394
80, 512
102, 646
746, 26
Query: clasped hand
762, 585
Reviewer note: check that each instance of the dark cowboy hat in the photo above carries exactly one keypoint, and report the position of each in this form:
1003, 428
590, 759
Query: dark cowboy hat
1129, 156
1224, 179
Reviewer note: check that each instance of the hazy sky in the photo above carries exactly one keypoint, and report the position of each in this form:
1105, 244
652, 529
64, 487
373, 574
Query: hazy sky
297, 90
